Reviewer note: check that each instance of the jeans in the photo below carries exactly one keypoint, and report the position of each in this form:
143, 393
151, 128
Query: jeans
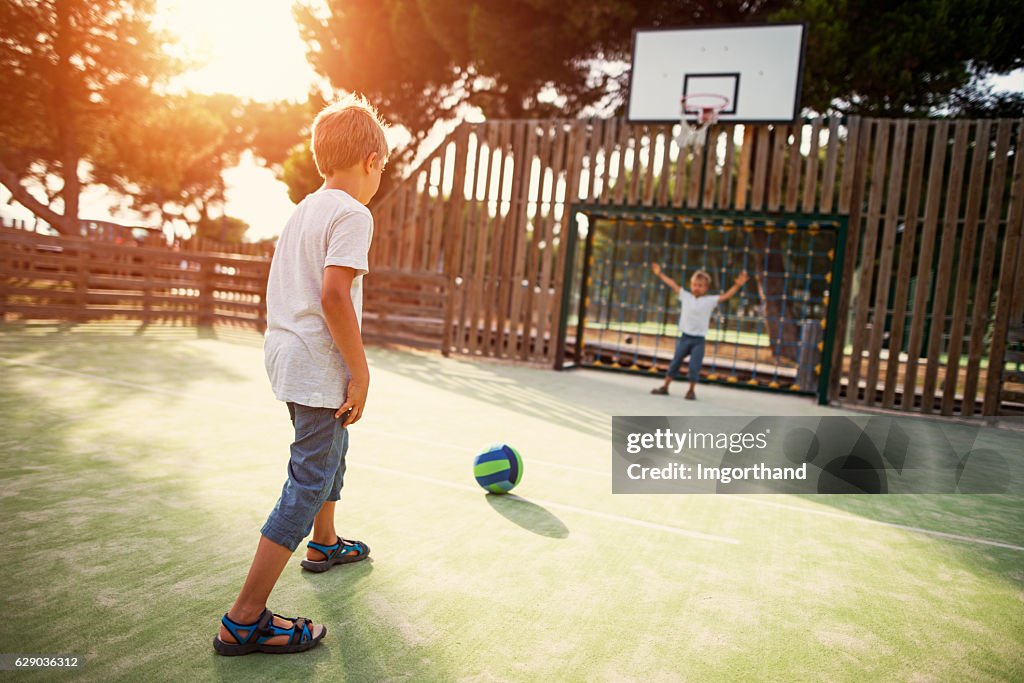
687, 345
316, 473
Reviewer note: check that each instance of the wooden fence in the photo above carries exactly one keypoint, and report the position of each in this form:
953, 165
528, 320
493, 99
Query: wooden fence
930, 315
937, 287
80, 279
412, 309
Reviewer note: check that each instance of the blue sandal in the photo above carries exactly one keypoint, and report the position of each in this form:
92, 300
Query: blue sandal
260, 631
336, 554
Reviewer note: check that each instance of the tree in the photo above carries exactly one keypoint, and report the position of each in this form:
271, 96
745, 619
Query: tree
977, 101
75, 65
170, 159
879, 57
419, 61
223, 229
300, 174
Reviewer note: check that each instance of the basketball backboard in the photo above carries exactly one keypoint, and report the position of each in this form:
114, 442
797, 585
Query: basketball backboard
757, 67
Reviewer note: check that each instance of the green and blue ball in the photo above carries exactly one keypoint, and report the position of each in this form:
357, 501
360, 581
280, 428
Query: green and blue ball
498, 469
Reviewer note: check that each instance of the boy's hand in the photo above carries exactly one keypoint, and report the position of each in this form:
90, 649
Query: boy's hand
656, 268
742, 278
355, 401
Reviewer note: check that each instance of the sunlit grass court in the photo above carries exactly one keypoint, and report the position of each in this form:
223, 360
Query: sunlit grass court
138, 464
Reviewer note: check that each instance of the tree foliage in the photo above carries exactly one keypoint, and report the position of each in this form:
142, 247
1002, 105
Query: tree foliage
226, 229
82, 80
418, 61
169, 158
300, 174
978, 102
74, 66
87, 77
909, 57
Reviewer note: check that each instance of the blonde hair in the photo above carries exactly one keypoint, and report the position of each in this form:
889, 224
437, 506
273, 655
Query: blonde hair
345, 133
702, 274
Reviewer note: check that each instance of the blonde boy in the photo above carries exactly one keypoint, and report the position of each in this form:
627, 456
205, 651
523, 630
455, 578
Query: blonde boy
315, 360
694, 318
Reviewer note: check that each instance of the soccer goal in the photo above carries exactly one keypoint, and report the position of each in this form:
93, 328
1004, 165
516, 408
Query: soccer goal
775, 334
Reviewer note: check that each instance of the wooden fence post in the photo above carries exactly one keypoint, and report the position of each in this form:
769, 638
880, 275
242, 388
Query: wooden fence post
261, 319
82, 278
453, 233
854, 170
206, 273
1010, 301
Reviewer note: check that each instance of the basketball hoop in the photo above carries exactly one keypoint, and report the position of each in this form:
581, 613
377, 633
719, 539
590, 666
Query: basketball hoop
705, 107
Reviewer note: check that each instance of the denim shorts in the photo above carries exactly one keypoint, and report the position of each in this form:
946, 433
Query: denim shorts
316, 473
687, 345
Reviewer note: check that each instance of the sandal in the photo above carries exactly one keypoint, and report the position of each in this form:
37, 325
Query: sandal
262, 630
660, 391
336, 554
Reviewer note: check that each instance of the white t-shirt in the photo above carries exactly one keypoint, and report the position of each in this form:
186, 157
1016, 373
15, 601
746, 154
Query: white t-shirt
695, 315
327, 228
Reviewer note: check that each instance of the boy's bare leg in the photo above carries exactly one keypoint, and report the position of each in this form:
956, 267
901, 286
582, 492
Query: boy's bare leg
324, 532
266, 568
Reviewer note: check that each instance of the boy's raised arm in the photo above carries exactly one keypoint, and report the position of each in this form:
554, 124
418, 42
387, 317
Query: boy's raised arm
340, 314
741, 280
665, 278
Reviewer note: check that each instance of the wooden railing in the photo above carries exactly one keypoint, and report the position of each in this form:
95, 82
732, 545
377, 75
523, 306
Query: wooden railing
411, 309
77, 279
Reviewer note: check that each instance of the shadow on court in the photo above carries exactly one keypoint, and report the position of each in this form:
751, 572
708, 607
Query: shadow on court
369, 636
364, 640
530, 516
163, 357
974, 482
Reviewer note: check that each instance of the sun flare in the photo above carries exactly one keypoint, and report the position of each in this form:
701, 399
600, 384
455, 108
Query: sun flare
248, 49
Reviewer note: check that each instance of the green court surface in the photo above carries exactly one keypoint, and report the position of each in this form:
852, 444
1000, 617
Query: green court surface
138, 465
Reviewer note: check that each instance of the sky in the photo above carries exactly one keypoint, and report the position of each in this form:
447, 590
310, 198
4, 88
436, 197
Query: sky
254, 50
249, 49
1012, 82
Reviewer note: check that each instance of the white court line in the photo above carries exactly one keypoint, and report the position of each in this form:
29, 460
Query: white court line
390, 435
558, 506
864, 520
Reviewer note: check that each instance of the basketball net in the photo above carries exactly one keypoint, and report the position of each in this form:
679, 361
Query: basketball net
706, 107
